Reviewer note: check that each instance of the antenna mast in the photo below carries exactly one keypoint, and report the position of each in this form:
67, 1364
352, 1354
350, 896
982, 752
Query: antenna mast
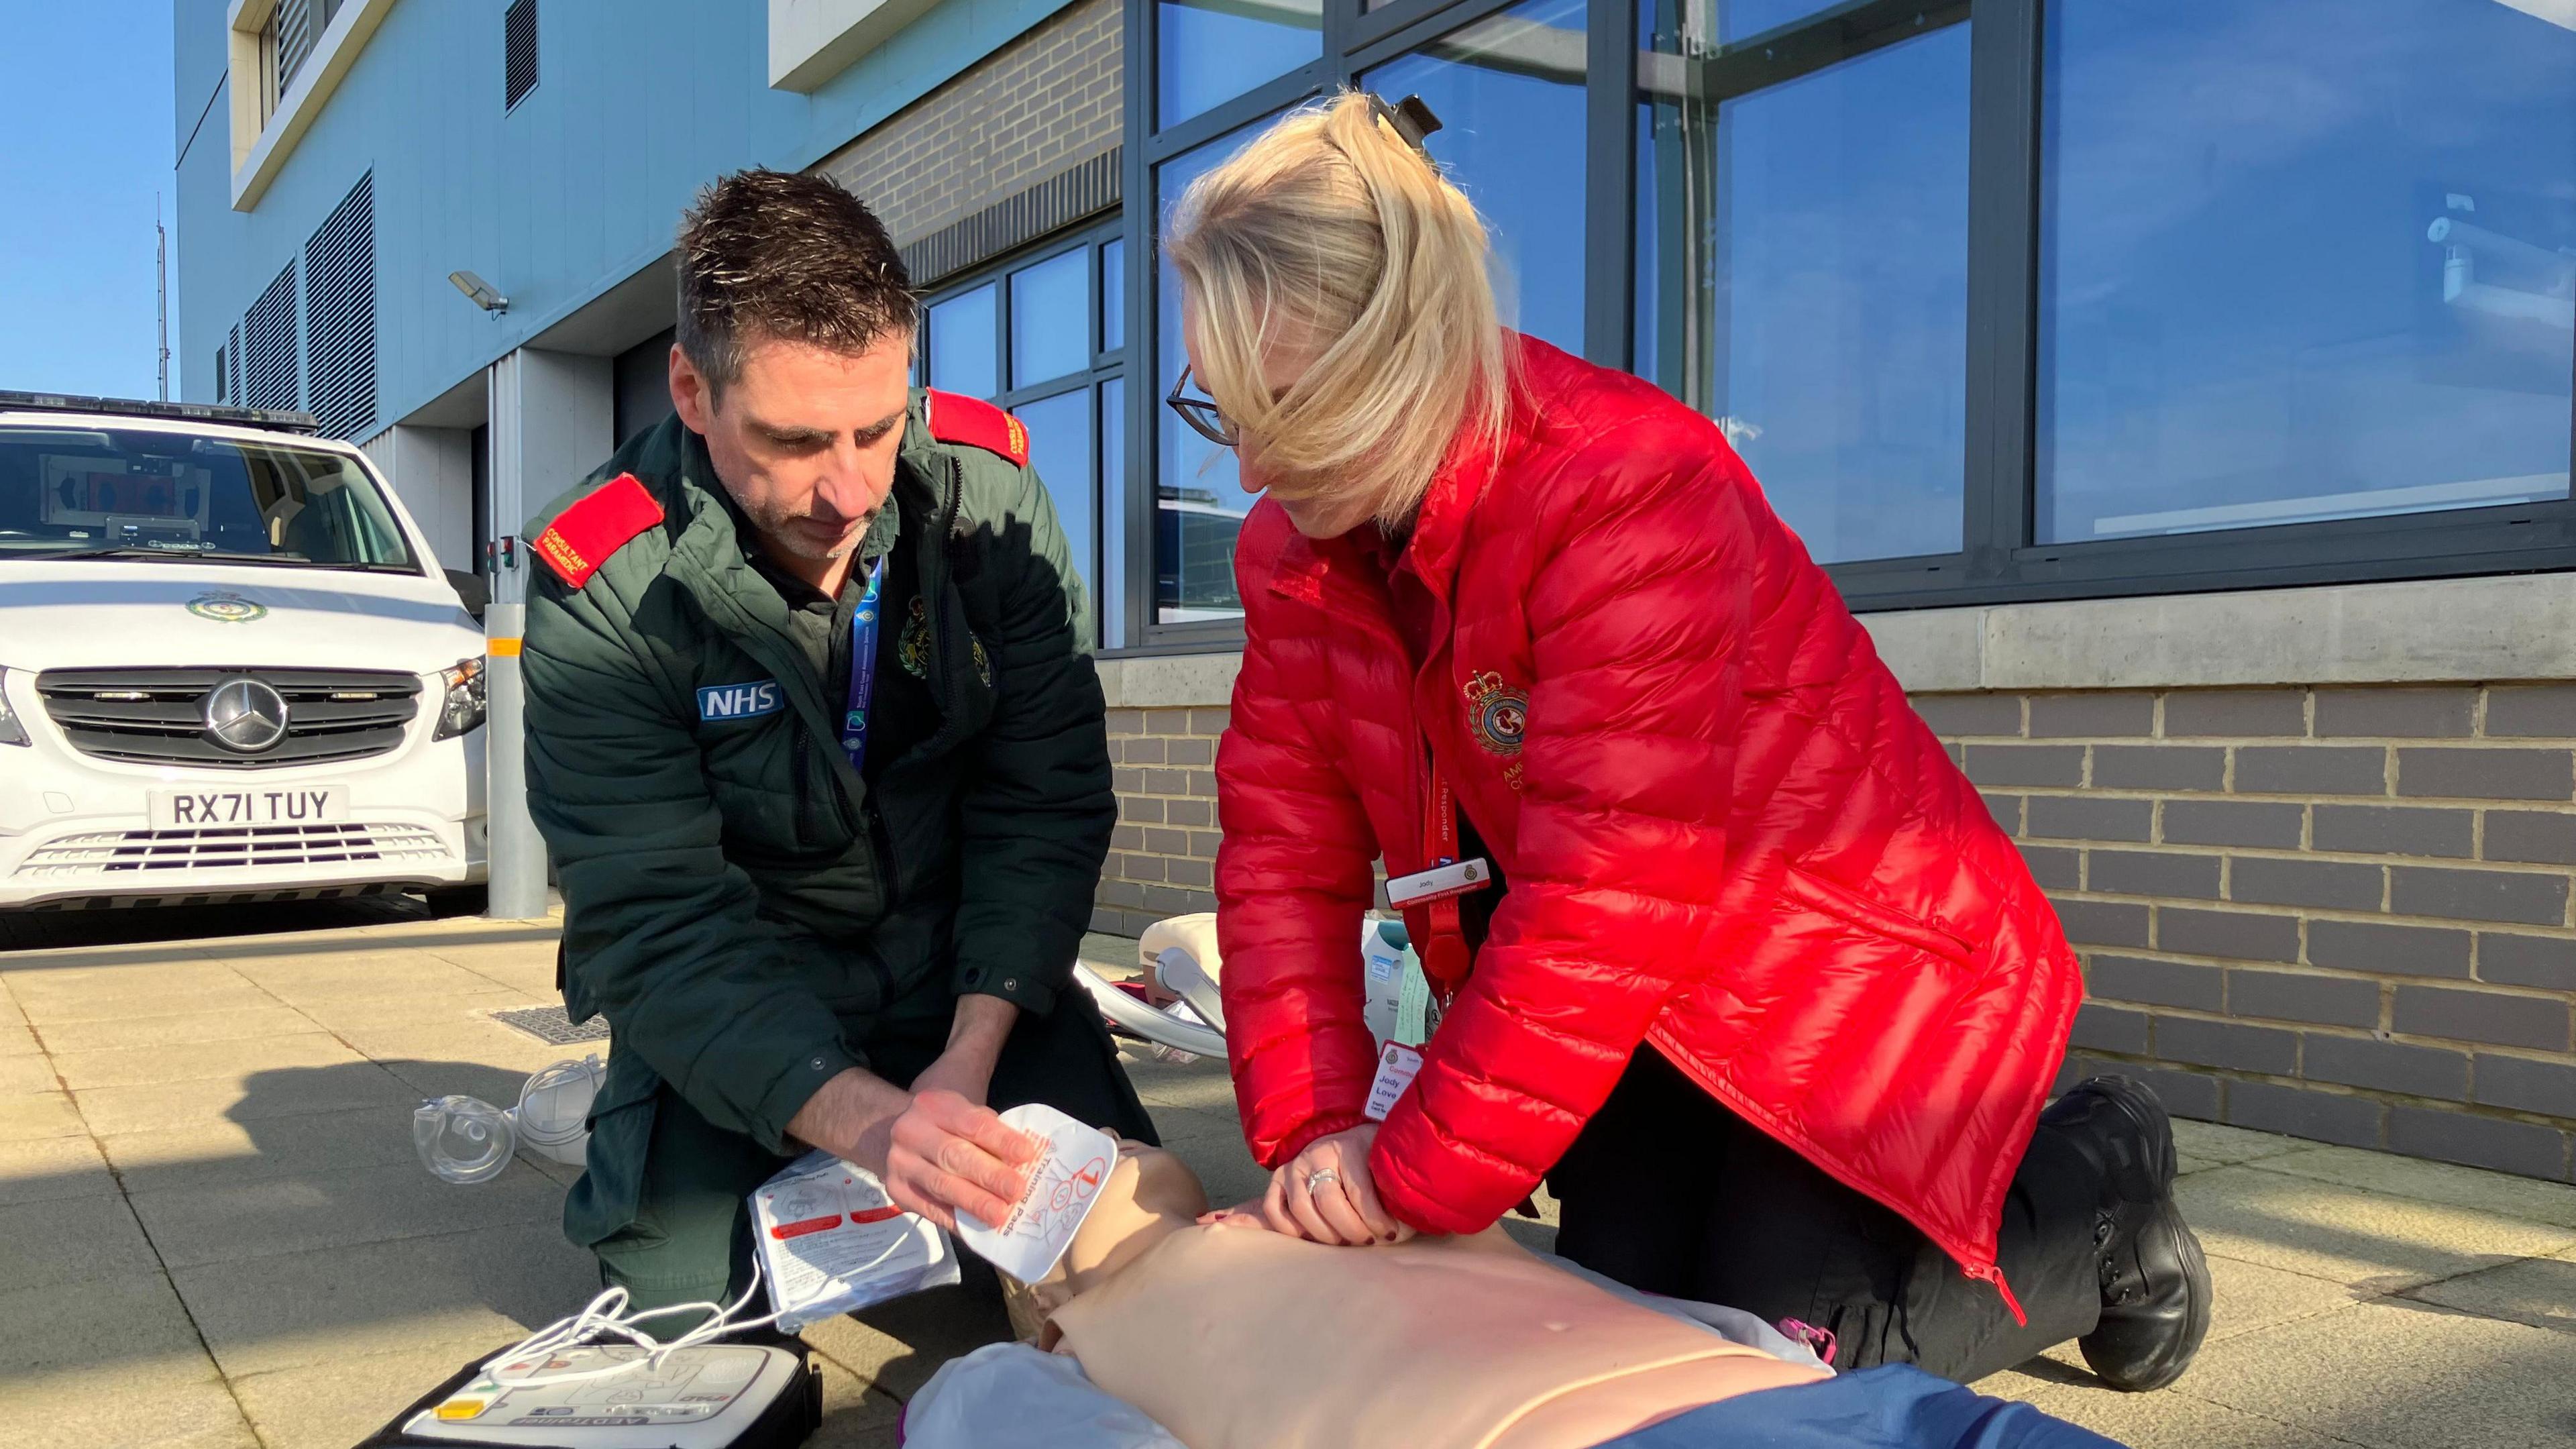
161, 287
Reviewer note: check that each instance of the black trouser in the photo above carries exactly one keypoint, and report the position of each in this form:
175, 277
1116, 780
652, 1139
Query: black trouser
691, 1238
1669, 1192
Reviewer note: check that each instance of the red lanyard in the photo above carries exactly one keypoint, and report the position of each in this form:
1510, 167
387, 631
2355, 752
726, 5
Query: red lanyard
1439, 941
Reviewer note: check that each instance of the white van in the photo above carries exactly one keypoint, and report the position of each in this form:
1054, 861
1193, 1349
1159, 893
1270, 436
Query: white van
230, 668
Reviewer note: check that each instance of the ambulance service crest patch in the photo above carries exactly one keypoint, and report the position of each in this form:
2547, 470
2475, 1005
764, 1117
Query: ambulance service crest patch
1497, 712
914, 647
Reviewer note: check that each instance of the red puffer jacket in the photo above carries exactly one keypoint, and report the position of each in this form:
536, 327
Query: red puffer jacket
1725, 833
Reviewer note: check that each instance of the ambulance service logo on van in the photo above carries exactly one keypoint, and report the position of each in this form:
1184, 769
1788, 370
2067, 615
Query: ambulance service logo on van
226, 608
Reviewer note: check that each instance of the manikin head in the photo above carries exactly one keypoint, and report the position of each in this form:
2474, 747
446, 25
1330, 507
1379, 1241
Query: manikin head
794, 358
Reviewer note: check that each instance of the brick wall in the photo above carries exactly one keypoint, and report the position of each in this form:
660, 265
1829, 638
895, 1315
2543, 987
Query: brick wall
2338, 913
1162, 860
1038, 106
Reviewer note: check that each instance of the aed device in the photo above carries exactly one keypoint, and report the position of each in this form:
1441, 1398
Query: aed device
710, 1396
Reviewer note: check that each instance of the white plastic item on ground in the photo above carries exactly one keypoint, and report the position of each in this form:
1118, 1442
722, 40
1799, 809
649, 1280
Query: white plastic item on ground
468, 1140
1063, 1186
553, 1115
1011, 1396
831, 1241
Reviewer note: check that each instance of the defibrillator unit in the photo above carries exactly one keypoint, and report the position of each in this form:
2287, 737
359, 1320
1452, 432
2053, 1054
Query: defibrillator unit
712, 1396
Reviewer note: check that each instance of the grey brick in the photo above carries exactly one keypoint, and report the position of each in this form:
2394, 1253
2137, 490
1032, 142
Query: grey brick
1127, 782
2185, 1094
1203, 783
2487, 774
2088, 817
2153, 873
1190, 750
2317, 1116
1141, 809
1204, 843
2538, 837
2234, 1045
2005, 808
2474, 1141
1210, 722
2054, 867
2159, 767
2388, 950
2157, 983
1126, 722
2240, 713
2442, 713
1140, 867
2237, 935
1144, 750
1108, 921
1954, 715
2532, 711
2076, 1067
2466, 1014
2109, 1029
1127, 837
2478, 895
2301, 996
1191, 812
2102, 923
2058, 765
1191, 873
1167, 721
1167, 782
2312, 770
2091, 715
2395, 830
2548, 1088
2232, 822
2387, 1066
1126, 895
2332, 885
2548, 962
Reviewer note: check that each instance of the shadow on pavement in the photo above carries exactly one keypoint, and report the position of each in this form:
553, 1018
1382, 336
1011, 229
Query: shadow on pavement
64, 930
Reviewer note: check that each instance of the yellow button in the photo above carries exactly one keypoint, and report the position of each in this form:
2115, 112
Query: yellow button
463, 1408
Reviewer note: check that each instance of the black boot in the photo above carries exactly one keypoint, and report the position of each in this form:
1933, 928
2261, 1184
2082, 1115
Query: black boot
2155, 1283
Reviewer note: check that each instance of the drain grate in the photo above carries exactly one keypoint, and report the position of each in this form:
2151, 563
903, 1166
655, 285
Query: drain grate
551, 1024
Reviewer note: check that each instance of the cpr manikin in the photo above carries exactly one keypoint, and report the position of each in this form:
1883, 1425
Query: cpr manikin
1234, 1337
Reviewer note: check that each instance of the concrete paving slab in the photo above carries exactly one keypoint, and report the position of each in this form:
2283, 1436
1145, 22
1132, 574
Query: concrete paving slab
19, 1040
317, 1144
34, 989
115, 1033
464, 1039
2223, 1145
43, 1169
2346, 1235
856, 1414
57, 1242
273, 1216
96, 964
2539, 1291
2468, 1187
408, 973
359, 1013
1201, 1086
2400, 1375
492, 1286
261, 1095
22, 1075
2169, 1420
335, 1404
37, 1114
224, 1061
2251, 1298
77, 1412
146, 1001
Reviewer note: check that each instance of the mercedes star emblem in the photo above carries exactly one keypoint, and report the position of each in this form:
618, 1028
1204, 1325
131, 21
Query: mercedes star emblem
245, 716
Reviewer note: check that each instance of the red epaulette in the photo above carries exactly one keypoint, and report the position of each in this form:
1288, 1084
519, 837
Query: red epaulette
957, 418
583, 536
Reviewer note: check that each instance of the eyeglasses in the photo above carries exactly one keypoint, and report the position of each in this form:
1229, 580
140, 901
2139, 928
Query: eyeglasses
1200, 413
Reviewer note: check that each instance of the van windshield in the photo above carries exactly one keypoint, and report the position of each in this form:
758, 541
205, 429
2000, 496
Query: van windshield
81, 492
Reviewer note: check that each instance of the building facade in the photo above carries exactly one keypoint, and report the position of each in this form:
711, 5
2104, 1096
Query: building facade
2181, 389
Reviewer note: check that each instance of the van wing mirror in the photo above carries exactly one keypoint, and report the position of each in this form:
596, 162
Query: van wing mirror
471, 590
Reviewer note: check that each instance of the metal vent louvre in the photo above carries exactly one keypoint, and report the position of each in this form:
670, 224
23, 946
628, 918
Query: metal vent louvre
157, 716
270, 370
110, 852
519, 51
340, 315
295, 35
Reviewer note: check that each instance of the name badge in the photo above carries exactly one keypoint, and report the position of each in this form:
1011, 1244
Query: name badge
1439, 883
1397, 1065
722, 703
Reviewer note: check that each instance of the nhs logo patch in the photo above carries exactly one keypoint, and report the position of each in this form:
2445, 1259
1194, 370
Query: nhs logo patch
719, 703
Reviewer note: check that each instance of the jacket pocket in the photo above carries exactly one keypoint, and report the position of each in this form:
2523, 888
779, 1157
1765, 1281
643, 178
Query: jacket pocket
1819, 894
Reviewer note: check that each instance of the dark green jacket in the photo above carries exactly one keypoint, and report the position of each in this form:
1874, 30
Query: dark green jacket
746, 911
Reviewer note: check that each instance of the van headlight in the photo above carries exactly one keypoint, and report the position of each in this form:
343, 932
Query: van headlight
11, 732
463, 709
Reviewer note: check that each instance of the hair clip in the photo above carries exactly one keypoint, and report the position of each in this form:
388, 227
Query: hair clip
1412, 120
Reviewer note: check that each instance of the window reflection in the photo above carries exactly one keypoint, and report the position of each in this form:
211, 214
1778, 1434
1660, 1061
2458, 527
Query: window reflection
2336, 283
1113, 296
963, 344
1199, 502
1051, 318
1802, 257
1060, 450
1215, 50
1509, 94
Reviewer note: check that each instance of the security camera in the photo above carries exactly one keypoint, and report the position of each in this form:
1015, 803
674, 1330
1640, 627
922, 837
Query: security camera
479, 292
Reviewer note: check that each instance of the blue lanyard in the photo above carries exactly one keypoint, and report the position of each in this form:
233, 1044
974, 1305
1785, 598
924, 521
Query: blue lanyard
863, 668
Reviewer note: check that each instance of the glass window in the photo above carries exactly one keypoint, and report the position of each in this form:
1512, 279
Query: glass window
1051, 318
1215, 50
962, 344
1060, 450
2301, 260
1802, 257
1199, 502
1509, 94
1723, 21
1113, 296
1113, 511
95, 493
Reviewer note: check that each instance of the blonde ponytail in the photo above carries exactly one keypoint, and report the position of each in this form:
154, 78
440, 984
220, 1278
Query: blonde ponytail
1331, 231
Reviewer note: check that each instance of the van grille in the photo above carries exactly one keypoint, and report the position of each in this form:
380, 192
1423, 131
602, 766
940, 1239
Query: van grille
157, 716
114, 851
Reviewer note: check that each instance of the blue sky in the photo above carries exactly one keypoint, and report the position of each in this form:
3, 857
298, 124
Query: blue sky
85, 99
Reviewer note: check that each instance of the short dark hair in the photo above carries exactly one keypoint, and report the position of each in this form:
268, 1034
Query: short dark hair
783, 255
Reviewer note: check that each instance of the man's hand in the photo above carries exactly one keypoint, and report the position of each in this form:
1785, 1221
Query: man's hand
1325, 1195
950, 1155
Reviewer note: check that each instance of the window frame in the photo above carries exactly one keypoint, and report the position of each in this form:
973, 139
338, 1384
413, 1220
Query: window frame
2001, 559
